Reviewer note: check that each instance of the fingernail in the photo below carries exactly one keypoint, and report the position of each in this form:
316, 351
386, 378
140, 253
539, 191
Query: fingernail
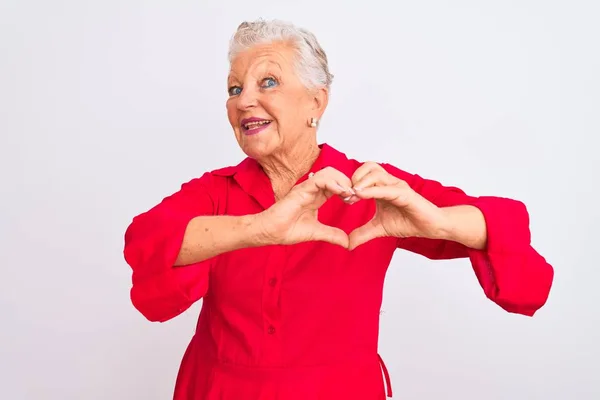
345, 189
347, 198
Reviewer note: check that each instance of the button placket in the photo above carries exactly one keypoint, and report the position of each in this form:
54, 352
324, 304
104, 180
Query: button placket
271, 306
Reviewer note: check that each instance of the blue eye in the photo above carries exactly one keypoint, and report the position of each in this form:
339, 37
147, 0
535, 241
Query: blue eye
234, 90
269, 82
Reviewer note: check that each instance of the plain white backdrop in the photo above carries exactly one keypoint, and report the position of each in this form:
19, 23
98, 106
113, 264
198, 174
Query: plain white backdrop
108, 106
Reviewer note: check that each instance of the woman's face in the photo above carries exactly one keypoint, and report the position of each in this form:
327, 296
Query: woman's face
268, 107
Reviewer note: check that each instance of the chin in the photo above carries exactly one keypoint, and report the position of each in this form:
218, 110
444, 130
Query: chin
260, 145
257, 149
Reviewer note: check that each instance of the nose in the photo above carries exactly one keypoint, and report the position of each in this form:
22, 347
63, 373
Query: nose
247, 99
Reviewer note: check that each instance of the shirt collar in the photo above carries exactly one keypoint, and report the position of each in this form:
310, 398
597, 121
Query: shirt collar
253, 180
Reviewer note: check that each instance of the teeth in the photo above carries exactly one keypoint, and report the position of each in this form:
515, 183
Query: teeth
252, 125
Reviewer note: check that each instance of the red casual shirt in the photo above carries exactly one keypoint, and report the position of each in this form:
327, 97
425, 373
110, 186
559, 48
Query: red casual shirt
301, 322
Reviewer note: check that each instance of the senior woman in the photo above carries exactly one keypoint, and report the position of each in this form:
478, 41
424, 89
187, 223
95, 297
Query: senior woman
289, 248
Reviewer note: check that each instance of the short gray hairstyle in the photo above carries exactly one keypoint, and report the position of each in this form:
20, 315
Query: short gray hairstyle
311, 61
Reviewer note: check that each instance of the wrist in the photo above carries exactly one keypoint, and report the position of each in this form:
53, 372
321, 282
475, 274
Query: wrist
446, 226
258, 234
464, 224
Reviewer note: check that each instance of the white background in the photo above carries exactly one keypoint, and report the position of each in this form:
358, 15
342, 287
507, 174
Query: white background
108, 106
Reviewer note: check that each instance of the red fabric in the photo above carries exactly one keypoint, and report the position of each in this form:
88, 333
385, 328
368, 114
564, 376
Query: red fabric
302, 321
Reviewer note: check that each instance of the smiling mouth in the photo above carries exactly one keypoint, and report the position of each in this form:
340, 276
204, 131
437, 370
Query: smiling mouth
255, 124
254, 127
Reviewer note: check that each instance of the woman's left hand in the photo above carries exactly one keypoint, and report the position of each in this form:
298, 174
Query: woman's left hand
400, 211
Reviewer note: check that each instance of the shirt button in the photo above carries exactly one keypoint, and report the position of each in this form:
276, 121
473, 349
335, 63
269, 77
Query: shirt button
271, 330
273, 281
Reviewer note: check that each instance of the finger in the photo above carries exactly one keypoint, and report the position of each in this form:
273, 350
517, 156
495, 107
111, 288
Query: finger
315, 194
337, 176
334, 187
374, 178
363, 170
344, 183
350, 199
333, 181
330, 234
398, 195
363, 234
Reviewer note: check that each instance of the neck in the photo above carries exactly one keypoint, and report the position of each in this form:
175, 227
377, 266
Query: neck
285, 168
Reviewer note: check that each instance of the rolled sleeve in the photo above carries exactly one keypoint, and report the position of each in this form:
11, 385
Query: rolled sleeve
160, 290
510, 271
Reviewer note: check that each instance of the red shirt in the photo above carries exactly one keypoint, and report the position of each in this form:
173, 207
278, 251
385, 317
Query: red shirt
301, 322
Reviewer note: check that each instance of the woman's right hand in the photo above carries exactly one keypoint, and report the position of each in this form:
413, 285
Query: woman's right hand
294, 219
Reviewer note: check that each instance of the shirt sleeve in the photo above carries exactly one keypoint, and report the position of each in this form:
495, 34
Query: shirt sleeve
161, 291
510, 271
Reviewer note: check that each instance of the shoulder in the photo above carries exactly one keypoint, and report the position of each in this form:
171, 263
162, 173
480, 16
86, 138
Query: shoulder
219, 175
210, 182
224, 172
349, 165
409, 177
391, 169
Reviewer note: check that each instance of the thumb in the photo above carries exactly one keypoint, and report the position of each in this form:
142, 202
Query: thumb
330, 234
363, 234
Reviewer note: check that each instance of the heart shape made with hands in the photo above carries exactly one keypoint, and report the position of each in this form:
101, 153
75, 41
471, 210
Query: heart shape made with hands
400, 211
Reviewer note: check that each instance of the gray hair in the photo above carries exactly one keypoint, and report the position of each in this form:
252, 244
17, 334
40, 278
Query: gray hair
311, 61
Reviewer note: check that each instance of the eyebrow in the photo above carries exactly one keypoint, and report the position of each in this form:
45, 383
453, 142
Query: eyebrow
276, 64
232, 76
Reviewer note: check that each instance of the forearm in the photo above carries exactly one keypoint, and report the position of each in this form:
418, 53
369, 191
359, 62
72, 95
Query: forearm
208, 236
466, 225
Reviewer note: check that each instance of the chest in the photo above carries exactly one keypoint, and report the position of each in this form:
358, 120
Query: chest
313, 270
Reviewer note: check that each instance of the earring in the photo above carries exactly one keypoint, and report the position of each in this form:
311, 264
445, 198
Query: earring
313, 122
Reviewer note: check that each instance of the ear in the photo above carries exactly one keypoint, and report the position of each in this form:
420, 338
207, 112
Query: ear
320, 101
